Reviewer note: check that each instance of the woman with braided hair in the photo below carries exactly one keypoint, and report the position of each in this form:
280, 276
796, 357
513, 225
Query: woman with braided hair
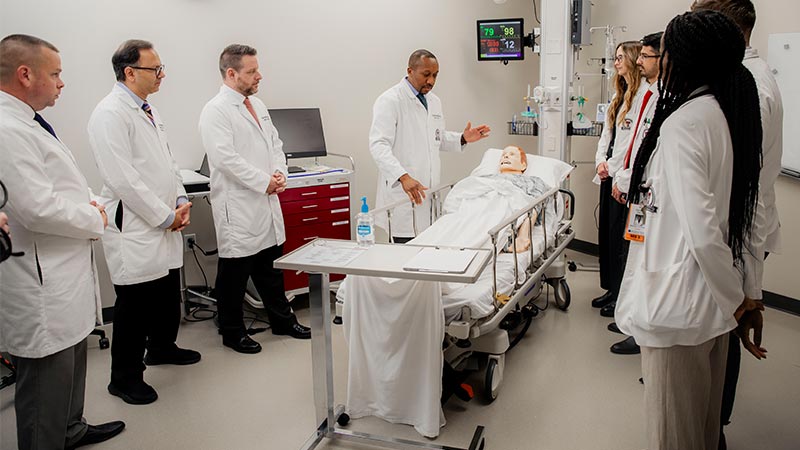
697, 173
621, 117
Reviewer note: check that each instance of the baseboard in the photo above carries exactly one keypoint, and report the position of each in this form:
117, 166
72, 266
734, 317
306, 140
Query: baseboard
584, 247
782, 302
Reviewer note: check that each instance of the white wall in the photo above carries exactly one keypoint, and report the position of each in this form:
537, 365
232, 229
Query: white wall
336, 55
340, 55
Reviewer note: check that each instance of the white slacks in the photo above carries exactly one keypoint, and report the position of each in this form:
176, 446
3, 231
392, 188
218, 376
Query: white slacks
683, 394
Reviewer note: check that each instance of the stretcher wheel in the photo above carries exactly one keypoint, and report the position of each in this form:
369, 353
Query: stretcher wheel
562, 294
343, 419
494, 378
572, 266
104, 344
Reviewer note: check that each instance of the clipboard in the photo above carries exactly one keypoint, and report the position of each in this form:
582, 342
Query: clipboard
441, 260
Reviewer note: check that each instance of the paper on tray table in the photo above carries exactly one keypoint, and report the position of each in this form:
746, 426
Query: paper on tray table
441, 260
329, 254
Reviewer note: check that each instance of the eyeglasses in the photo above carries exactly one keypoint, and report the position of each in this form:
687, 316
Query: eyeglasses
158, 70
643, 56
618, 58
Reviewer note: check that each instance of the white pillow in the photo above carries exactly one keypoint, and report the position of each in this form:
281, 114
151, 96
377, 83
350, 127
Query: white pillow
552, 171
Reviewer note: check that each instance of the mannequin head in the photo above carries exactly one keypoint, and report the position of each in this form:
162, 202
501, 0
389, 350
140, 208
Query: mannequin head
513, 160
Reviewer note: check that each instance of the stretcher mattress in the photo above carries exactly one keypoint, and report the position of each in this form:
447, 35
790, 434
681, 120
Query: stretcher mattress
480, 295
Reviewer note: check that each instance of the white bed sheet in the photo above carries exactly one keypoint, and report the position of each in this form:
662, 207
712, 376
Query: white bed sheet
479, 296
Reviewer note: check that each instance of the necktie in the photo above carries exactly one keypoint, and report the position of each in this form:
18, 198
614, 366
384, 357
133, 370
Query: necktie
636, 130
249, 107
421, 98
149, 112
44, 124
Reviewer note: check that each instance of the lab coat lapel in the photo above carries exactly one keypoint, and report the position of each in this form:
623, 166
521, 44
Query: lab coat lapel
141, 116
50, 138
125, 98
413, 98
249, 117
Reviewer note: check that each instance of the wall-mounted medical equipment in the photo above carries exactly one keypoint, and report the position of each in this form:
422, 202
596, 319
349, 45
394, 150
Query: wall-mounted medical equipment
502, 40
581, 22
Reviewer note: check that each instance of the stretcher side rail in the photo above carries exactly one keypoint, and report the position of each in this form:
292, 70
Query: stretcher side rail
437, 195
537, 266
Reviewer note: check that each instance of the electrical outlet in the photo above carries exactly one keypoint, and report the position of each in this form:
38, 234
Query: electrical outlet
186, 238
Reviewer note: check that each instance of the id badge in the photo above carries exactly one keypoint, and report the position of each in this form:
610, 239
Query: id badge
636, 225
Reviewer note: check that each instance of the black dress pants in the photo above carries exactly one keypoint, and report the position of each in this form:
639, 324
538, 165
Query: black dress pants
146, 316
611, 239
232, 276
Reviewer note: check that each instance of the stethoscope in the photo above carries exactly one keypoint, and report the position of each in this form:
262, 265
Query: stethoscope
5, 240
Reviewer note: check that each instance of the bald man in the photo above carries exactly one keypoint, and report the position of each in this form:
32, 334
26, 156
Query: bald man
48, 296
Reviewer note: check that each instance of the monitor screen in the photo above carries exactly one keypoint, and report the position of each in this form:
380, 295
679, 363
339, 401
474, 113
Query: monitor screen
500, 39
300, 129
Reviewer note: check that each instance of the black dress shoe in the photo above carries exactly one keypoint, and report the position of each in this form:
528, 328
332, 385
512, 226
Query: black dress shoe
612, 327
626, 347
295, 330
176, 355
242, 344
134, 393
99, 433
603, 300
608, 310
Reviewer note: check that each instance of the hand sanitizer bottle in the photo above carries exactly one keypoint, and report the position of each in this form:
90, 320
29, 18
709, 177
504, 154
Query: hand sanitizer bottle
364, 226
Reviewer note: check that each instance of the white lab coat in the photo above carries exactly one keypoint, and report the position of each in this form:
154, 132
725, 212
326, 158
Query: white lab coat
404, 138
680, 285
622, 139
49, 298
242, 158
138, 169
767, 228
623, 176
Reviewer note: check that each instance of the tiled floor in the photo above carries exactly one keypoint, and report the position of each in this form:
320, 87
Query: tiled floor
563, 390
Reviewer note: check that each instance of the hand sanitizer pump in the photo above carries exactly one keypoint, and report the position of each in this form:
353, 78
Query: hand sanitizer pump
365, 235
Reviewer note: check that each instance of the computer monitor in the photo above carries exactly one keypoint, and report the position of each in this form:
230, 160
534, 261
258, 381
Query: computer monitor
500, 40
300, 129
204, 169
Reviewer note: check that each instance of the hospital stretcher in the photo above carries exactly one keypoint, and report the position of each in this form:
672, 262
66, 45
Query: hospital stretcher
482, 315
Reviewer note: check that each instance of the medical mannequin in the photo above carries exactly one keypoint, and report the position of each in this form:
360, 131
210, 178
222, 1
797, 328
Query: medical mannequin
513, 163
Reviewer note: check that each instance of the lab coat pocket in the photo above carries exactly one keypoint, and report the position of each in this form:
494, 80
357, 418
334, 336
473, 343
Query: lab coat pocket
38, 263
246, 211
118, 216
670, 296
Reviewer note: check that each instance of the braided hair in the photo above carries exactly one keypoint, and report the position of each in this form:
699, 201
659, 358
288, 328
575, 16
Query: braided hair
705, 48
